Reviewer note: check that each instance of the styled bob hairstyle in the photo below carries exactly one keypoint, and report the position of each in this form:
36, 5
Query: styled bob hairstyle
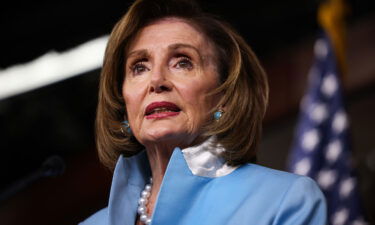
243, 83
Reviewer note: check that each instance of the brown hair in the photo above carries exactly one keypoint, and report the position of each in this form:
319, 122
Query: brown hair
243, 83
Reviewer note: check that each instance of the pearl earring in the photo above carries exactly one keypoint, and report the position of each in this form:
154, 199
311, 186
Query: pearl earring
125, 127
218, 114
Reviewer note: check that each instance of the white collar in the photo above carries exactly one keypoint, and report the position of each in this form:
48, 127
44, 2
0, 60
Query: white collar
205, 159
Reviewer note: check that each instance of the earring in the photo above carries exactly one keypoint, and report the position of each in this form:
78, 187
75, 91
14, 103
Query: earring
125, 128
218, 114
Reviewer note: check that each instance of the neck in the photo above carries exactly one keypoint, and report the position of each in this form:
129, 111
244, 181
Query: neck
158, 158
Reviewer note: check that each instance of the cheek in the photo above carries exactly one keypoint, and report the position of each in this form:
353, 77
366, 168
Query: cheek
196, 97
132, 99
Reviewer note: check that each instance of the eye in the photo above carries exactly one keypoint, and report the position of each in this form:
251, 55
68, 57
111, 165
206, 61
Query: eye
138, 68
184, 62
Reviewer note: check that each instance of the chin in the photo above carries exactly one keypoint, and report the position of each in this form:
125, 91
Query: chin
164, 134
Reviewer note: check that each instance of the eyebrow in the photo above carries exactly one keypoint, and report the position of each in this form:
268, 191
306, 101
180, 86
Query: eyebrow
138, 53
181, 45
145, 53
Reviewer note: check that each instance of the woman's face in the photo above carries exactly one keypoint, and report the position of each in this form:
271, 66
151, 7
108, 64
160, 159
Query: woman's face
170, 68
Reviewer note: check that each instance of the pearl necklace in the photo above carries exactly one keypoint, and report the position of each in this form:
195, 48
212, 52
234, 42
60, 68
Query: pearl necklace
142, 202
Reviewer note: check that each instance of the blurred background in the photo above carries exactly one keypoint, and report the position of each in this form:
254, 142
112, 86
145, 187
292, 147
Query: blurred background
42, 117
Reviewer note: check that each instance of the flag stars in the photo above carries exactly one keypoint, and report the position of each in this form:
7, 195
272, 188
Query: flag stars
329, 85
321, 48
334, 149
359, 221
310, 139
319, 112
347, 187
326, 178
321, 149
340, 217
305, 101
340, 122
303, 167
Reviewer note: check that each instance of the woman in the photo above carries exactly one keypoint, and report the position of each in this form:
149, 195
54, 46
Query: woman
182, 97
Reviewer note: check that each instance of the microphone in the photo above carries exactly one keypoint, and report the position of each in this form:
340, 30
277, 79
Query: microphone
51, 167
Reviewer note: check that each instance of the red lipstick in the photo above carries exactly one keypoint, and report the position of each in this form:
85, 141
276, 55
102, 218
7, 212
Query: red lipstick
159, 110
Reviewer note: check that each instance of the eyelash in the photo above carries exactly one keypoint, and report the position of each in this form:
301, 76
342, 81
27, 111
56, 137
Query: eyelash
186, 60
140, 65
136, 66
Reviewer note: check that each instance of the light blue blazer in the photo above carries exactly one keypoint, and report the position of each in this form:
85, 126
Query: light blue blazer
251, 194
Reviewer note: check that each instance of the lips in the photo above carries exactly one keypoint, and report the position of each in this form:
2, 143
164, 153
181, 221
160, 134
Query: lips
161, 110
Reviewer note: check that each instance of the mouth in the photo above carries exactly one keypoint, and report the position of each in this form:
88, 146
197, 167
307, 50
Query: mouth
162, 108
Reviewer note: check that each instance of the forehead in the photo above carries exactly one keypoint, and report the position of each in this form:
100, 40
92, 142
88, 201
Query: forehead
168, 31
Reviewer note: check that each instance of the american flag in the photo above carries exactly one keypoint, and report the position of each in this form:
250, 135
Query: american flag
321, 148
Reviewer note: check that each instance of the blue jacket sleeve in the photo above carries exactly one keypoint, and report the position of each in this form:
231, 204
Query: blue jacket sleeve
303, 203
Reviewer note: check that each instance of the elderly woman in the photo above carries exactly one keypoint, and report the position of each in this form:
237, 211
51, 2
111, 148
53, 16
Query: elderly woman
181, 102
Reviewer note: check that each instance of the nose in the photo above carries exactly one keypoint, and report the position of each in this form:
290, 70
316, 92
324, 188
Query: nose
159, 81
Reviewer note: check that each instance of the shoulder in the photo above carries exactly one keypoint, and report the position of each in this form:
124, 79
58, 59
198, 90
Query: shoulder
297, 199
267, 176
268, 184
302, 203
98, 218
279, 182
